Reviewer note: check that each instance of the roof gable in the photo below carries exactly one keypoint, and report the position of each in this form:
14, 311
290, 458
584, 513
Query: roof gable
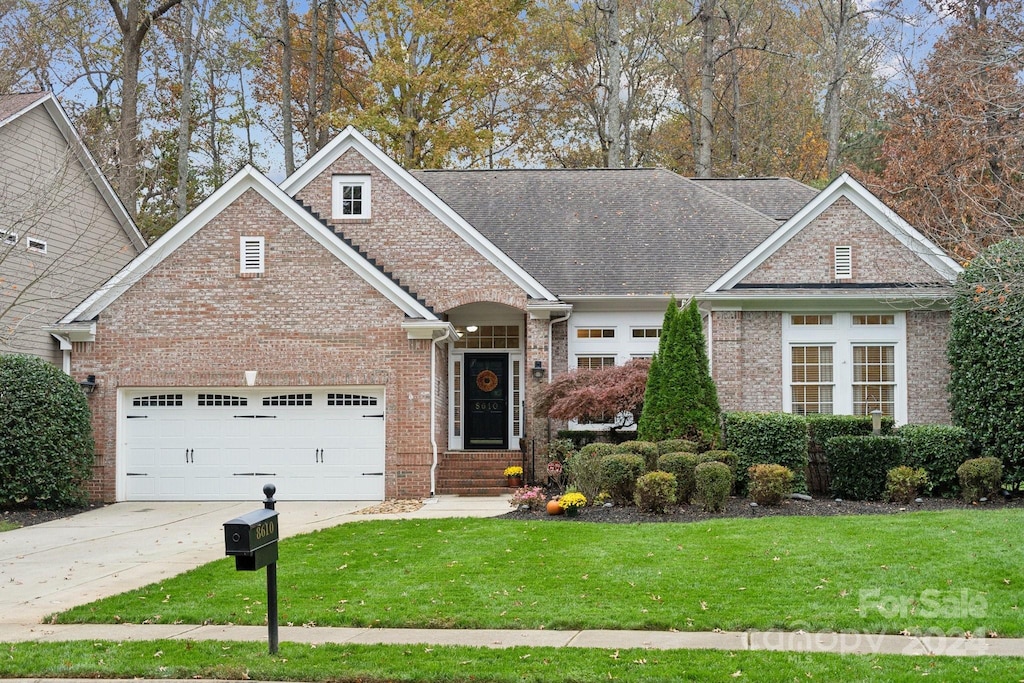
916, 244
351, 139
14, 106
248, 179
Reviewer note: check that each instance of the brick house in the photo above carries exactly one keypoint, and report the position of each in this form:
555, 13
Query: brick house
362, 331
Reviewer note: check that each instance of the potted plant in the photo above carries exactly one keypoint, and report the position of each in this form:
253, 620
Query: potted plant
514, 475
572, 502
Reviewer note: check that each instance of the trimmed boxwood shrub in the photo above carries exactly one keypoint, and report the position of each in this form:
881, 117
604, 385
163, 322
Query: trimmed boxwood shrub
619, 473
46, 444
728, 457
648, 450
980, 478
903, 483
714, 481
860, 463
683, 466
770, 484
939, 450
655, 491
678, 446
765, 438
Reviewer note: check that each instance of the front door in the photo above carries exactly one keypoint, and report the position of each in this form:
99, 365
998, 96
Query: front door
486, 392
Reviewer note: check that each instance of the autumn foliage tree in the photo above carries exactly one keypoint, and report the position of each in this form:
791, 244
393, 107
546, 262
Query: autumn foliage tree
954, 152
612, 395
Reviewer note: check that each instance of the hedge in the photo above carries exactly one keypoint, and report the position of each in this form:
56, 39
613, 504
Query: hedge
768, 438
860, 464
619, 473
46, 444
939, 450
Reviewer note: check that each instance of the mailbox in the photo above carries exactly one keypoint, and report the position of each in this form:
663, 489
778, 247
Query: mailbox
252, 539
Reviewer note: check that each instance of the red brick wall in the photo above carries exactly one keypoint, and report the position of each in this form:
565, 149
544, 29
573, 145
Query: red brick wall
927, 369
308, 321
747, 359
808, 258
412, 243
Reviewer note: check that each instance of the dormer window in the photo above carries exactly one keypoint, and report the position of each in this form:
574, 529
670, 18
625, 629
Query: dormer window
351, 197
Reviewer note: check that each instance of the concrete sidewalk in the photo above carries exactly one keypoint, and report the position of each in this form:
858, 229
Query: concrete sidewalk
53, 566
835, 643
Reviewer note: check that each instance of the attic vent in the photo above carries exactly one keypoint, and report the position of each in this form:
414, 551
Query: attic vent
251, 255
844, 263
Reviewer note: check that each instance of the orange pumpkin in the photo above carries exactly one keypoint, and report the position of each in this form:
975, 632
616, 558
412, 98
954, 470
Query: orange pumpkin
554, 507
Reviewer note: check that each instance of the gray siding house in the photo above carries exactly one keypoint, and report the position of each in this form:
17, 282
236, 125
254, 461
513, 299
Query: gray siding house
63, 231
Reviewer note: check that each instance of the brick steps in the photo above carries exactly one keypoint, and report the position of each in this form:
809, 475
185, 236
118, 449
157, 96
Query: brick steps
475, 473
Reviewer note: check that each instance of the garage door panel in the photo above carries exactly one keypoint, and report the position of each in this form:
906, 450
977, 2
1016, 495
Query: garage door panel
225, 445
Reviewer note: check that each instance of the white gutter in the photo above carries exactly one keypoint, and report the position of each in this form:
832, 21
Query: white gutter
433, 408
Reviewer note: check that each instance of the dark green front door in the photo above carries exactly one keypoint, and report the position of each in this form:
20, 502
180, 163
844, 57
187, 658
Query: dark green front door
486, 392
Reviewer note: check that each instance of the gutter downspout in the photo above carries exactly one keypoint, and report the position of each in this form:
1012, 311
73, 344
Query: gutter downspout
551, 340
433, 410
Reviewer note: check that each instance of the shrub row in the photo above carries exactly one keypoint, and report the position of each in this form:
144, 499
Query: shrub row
858, 467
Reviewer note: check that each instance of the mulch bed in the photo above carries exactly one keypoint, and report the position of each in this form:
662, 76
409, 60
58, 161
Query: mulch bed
27, 516
740, 507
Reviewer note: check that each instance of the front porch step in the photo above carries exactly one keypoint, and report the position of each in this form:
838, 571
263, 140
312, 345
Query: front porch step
475, 473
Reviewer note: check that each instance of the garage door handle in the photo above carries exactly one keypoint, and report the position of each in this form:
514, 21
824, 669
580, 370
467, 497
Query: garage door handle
380, 416
258, 417
137, 474
136, 417
255, 474
373, 474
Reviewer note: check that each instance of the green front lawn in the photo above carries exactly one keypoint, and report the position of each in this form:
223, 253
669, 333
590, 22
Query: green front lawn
925, 572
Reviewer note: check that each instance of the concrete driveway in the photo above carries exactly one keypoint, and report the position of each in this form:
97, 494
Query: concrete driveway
51, 567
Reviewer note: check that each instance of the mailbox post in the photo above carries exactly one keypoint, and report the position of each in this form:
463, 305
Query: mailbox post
252, 540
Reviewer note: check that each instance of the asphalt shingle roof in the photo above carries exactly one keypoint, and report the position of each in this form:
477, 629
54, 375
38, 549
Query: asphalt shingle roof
777, 198
601, 232
12, 104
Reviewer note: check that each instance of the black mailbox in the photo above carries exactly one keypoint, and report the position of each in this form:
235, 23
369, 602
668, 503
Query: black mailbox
252, 539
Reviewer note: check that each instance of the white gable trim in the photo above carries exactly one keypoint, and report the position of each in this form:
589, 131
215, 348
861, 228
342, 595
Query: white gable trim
70, 133
843, 186
352, 139
246, 179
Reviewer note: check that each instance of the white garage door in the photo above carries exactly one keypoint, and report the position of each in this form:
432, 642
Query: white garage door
225, 444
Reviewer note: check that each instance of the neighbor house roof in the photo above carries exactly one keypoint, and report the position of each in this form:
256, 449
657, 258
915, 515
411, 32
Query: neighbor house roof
777, 198
602, 232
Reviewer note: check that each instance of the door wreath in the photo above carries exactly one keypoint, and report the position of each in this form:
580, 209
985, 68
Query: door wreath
487, 381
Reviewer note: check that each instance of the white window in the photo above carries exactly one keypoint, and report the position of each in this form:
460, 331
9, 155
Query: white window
595, 362
852, 366
595, 332
251, 258
36, 245
843, 263
646, 332
351, 197
10, 237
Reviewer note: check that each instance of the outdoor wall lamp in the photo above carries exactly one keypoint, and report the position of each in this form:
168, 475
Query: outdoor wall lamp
88, 385
538, 370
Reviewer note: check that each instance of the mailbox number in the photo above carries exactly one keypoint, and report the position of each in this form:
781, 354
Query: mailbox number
261, 531
486, 405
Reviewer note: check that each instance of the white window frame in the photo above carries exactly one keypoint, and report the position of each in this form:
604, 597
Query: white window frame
245, 244
843, 335
338, 185
10, 238
35, 244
